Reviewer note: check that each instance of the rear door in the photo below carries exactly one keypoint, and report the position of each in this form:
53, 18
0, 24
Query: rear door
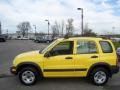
86, 54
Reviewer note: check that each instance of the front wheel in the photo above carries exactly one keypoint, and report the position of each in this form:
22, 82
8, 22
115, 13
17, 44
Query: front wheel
28, 76
99, 76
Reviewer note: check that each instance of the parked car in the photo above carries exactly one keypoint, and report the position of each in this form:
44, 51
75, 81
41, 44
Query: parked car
43, 39
118, 53
2, 38
23, 38
94, 58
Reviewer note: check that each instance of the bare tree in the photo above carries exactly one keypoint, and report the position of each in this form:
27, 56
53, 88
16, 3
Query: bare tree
69, 27
57, 26
55, 29
24, 27
62, 27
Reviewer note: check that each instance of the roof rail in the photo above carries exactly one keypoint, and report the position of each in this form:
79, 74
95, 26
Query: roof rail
66, 36
103, 37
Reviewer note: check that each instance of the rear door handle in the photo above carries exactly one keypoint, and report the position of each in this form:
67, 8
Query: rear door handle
94, 56
68, 58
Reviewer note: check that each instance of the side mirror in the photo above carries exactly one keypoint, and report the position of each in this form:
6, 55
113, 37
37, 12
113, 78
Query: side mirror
47, 54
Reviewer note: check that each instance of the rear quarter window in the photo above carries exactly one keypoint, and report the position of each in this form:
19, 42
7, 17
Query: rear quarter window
106, 47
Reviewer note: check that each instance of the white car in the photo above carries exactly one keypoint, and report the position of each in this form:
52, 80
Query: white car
118, 51
23, 38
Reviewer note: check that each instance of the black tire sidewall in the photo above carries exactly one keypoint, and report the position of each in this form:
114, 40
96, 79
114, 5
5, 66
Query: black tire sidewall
28, 69
47, 41
95, 71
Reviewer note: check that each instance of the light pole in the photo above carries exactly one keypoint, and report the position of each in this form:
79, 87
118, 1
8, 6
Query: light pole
7, 32
0, 28
48, 25
113, 32
35, 29
82, 31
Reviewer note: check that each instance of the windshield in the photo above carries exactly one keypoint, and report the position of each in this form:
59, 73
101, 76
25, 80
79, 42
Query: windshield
44, 50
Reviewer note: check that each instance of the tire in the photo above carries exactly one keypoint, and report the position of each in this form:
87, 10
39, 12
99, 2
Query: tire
47, 41
3, 40
28, 76
37, 41
99, 76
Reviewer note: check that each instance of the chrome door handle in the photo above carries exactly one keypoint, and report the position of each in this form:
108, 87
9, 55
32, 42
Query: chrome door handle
94, 56
68, 58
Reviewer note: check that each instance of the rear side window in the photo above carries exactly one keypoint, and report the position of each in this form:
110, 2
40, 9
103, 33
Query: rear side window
86, 47
106, 47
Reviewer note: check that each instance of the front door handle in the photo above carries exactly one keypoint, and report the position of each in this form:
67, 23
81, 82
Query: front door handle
68, 58
94, 56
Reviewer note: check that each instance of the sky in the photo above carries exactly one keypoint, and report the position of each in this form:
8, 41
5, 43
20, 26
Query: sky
102, 16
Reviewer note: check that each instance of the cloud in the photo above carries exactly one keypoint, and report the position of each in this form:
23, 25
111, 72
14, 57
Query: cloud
100, 14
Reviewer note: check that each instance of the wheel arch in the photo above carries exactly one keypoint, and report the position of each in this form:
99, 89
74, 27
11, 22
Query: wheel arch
100, 64
29, 64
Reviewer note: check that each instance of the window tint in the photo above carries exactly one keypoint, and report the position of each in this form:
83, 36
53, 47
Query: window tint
106, 47
86, 47
63, 48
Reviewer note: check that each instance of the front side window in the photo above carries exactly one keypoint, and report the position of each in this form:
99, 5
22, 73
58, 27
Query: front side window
63, 48
86, 47
106, 47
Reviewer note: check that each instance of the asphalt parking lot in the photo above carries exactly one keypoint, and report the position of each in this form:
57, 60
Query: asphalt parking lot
11, 48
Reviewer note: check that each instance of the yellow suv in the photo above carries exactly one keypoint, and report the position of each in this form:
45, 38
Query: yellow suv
94, 58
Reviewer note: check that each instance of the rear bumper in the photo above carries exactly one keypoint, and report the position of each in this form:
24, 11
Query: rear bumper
114, 69
13, 70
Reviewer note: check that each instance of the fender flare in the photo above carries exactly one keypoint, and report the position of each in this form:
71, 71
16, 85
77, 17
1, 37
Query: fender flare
100, 64
32, 64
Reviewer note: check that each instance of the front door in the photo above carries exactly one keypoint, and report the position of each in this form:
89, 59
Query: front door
60, 62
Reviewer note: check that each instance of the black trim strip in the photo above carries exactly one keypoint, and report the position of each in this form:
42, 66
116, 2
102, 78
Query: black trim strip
83, 69
60, 70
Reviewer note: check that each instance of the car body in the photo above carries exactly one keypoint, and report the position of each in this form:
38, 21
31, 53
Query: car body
43, 39
2, 38
23, 38
118, 53
69, 57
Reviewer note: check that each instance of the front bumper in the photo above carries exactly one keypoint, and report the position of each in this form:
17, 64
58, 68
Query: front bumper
114, 69
13, 70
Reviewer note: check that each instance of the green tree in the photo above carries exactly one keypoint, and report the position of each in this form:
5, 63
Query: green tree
89, 32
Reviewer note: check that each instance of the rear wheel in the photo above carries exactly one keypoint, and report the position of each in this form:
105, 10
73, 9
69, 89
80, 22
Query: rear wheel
28, 76
3, 40
37, 41
99, 76
47, 41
